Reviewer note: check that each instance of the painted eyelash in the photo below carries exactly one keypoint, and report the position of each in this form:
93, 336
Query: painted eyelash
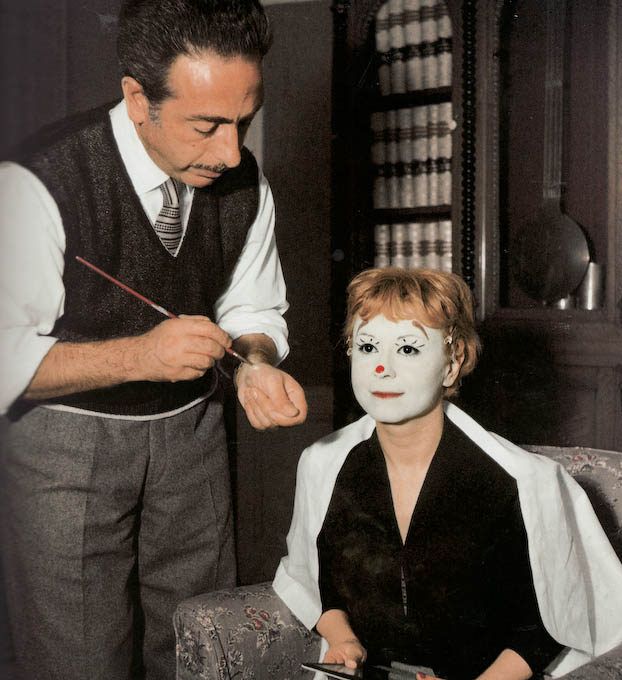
361, 344
415, 344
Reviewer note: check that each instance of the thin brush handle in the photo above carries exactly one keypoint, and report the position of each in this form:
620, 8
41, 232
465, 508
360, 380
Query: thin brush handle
148, 301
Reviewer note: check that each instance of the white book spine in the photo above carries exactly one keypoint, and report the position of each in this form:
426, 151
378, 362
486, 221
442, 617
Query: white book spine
433, 154
391, 135
445, 245
401, 247
415, 236
397, 42
382, 245
443, 20
446, 124
420, 155
431, 258
429, 30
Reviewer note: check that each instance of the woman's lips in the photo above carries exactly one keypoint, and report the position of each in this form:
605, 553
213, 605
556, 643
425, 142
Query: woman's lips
387, 395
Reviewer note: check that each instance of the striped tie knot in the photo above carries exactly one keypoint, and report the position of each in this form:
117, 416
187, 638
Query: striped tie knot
168, 222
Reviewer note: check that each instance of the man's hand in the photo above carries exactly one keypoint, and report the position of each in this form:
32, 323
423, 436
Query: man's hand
181, 349
177, 349
349, 652
270, 397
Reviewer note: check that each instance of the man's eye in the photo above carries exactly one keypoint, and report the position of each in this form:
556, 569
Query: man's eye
367, 348
206, 133
408, 350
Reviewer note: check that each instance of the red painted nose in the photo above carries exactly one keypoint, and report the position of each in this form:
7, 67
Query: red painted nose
379, 369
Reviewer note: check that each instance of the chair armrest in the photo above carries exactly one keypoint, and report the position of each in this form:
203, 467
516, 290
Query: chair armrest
605, 667
247, 632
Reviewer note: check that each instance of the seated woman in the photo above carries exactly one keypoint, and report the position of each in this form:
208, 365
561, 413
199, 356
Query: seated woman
419, 537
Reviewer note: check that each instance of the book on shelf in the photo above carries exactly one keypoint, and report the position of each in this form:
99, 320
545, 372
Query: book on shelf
397, 44
414, 45
411, 156
414, 245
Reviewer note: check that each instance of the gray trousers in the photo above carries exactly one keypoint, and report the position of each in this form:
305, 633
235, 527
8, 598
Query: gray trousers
107, 525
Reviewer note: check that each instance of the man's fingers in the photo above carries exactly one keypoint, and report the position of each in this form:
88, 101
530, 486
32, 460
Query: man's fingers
296, 395
205, 327
205, 346
254, 412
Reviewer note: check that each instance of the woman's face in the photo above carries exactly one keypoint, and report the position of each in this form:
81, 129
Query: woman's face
399, 369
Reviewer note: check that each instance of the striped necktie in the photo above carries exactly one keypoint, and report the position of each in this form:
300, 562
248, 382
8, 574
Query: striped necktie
168, 222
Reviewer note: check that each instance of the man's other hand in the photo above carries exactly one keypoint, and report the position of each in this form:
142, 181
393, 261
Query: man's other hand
270, 397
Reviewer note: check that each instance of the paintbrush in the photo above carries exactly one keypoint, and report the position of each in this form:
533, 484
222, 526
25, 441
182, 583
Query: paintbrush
149, 302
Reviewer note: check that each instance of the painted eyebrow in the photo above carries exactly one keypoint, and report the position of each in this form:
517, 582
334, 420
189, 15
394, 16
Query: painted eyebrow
414, 337
368, 335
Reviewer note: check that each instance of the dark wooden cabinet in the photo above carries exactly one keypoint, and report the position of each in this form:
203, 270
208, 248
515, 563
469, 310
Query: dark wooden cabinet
548, 375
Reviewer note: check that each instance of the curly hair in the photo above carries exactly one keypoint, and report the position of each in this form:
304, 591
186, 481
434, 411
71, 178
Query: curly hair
153, 33
433, 298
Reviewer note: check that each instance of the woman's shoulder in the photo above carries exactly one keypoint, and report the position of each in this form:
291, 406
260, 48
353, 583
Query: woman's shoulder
516, 461
328, 453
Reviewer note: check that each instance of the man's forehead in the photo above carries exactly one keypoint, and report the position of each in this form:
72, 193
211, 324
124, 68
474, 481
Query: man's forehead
227, 78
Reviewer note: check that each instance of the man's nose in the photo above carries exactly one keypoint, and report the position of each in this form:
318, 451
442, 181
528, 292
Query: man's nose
228, 149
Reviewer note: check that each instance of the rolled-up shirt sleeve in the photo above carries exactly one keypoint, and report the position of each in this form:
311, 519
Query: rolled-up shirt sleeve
255, 299
32, 295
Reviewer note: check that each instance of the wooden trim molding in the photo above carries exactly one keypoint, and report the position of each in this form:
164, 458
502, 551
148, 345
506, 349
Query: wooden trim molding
469, 122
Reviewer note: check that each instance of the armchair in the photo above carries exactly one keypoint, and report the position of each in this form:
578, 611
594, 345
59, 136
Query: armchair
248, 633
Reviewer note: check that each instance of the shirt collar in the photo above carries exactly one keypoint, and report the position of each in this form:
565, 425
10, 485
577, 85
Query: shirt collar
144, 174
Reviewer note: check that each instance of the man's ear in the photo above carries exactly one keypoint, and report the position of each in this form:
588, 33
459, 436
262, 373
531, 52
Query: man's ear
135, 100
452, 371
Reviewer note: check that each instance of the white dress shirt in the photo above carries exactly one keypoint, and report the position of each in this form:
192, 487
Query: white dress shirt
32, 249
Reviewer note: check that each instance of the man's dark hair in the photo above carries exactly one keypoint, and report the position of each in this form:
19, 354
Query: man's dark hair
153, 33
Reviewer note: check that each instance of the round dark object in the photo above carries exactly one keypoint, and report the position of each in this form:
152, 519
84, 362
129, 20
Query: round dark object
550, 257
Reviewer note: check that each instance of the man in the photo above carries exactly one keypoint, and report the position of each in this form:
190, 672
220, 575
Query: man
116, 491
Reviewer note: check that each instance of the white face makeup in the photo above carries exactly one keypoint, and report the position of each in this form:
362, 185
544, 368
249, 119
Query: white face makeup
398, 369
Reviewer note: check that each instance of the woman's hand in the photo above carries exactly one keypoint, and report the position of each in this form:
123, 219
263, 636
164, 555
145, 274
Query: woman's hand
349, 652
343, 645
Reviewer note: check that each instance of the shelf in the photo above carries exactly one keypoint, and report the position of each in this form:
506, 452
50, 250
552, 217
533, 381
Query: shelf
424, 214
437, 95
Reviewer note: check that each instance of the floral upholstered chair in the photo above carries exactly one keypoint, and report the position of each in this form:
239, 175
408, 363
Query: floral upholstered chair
249, 633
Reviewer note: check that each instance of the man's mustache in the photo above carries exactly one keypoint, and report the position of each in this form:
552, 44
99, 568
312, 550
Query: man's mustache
210, 168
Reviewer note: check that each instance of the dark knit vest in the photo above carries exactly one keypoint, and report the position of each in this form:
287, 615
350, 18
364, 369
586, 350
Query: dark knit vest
104, 222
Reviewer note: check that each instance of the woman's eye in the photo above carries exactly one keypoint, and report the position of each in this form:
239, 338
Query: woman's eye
367, 348
408, 350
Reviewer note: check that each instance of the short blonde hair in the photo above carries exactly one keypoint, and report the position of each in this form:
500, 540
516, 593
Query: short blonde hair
433, 298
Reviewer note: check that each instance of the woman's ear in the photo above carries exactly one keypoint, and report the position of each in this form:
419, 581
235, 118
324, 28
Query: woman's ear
453, 370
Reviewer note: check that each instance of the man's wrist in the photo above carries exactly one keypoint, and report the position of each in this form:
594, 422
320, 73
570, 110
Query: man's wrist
257, 348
